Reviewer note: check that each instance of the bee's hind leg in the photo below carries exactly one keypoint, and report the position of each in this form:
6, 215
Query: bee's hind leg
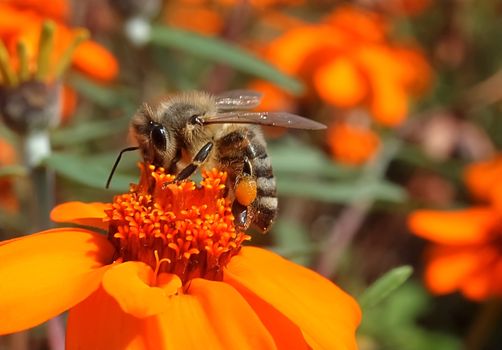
199, 158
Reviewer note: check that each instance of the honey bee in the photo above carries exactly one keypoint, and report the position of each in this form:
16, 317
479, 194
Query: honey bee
195, 129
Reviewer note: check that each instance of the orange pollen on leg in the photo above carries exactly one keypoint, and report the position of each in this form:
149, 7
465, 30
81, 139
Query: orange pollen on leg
178, 228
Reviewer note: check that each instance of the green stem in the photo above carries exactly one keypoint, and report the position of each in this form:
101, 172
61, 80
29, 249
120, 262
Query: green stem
483, 324
36, 150
351, 219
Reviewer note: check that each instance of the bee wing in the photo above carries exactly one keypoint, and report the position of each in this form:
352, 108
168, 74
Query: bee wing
238, 99
280, 119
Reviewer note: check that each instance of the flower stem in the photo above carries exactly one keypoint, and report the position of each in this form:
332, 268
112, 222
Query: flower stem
36, 149
483, 324
352, 217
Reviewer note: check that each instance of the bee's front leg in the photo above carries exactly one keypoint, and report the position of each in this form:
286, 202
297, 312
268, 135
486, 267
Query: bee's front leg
199, 158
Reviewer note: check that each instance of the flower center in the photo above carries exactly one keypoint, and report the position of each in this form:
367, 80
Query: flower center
189, 228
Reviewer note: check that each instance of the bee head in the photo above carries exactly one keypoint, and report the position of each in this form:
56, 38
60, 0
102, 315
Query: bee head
154, 136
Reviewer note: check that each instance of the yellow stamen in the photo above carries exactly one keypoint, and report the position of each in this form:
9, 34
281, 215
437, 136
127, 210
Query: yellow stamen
80, 35
178, 228
6, 69
22, 52
45, 49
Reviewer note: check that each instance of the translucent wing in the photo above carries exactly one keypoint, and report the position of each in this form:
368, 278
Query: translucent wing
280, 119
238, 99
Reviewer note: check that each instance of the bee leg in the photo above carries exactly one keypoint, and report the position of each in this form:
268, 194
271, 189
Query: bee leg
243, 216
245, 194
246, 188
199, 158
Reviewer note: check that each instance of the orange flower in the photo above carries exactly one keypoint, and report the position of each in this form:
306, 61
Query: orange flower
58, 10
26, 25
274, 98
172, 274
466, 253
197, 16
348, 61
483, 180
351, 144
22, 59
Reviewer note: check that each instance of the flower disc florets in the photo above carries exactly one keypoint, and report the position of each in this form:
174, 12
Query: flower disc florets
178, 228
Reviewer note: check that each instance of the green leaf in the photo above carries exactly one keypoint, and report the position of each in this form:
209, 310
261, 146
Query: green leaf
299, 158
13, 170
101, 95
89, 130
344, 192
220, 51
385, 285
89, 171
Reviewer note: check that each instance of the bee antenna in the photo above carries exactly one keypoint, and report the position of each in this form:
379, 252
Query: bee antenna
117, 163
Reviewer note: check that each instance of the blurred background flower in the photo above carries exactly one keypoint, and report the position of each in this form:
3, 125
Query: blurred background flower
407, 172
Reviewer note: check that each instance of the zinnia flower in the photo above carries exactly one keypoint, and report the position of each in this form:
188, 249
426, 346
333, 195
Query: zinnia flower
172, 274
34, 55
465, 253
22, 20
348, 61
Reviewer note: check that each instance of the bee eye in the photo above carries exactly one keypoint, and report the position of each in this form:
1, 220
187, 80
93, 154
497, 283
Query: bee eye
158, 135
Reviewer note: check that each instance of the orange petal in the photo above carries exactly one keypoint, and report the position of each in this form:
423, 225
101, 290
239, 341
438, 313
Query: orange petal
55, 9
467, 226
389, 103
290, 51
274, 98
212, 316
96, 61
480, 177
327, 316
340, 83
480, 286
352, 144
69, 97
286, 334
448, 267
87, 214
130, 283
47, 273
99, 323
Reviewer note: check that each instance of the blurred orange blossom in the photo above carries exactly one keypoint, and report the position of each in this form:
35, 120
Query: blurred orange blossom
465, 253
172, 274
21, 21
483, 180
352, 144
21, 26
348, 60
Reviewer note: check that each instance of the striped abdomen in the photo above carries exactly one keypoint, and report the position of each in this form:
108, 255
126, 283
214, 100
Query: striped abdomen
243, 151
